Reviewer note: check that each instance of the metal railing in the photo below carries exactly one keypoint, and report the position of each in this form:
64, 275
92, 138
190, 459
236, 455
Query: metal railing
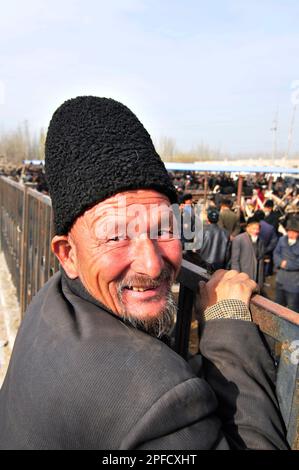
280, 327
26, 232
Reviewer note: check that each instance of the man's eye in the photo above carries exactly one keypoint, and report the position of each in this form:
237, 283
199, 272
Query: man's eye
165, 233
118, 238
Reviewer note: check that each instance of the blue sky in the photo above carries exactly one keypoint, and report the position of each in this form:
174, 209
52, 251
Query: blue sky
196, 71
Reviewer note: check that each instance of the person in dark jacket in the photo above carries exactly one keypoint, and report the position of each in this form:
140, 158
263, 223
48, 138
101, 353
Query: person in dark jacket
286, 260
269, 237
248, 252
91, 366
271, 216
215, 250
228, 219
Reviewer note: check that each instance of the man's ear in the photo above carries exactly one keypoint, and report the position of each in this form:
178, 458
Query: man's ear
66, 255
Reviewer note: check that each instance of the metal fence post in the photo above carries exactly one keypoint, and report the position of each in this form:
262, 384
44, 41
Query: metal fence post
23, 265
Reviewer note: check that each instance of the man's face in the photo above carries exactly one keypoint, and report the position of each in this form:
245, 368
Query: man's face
292, 235
126, 254
253, 229
188, 202
267, 210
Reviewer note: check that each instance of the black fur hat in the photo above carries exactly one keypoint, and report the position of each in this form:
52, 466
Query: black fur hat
95, 148
213, 215
252, 220
293, 223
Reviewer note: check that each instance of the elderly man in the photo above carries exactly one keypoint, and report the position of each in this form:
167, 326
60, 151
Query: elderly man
91, 368
248, 252
286, 259
269, 237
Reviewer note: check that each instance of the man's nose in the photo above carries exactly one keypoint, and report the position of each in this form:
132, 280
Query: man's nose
146, 257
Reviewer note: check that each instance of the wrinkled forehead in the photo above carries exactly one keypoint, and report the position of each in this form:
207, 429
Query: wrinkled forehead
129, 204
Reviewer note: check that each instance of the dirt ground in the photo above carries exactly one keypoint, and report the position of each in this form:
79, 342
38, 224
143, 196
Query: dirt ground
9, 317
269, 287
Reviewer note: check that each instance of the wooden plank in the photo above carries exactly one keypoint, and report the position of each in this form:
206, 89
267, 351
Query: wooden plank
43, 198
8, 182
264, 304
287, 389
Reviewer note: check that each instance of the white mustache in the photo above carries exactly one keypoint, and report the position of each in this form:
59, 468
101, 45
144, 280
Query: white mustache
146, 282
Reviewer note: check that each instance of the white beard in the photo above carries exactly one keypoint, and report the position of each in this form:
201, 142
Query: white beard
291, 242
254, 238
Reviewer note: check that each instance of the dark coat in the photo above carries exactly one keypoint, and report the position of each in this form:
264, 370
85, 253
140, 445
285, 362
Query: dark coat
273, 219
229, 221
244, 258
269, 236
79, 378
287, 278
215, 249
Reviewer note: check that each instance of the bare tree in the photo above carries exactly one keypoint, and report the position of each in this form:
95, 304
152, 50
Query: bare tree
167, 148
41, 145
18, 145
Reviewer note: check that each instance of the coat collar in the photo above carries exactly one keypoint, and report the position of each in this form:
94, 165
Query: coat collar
77, 288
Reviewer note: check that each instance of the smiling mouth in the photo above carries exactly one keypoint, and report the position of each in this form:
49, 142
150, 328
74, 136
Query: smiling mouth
141, 289
145, 288
129, 295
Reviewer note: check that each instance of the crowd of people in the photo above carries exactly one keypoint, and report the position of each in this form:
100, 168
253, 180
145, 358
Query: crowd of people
27, 174
226, 184
259, 237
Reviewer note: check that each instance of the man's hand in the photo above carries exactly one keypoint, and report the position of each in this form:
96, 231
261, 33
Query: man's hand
225, 285
283, 264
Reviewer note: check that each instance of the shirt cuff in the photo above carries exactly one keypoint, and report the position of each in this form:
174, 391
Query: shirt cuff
230, 308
